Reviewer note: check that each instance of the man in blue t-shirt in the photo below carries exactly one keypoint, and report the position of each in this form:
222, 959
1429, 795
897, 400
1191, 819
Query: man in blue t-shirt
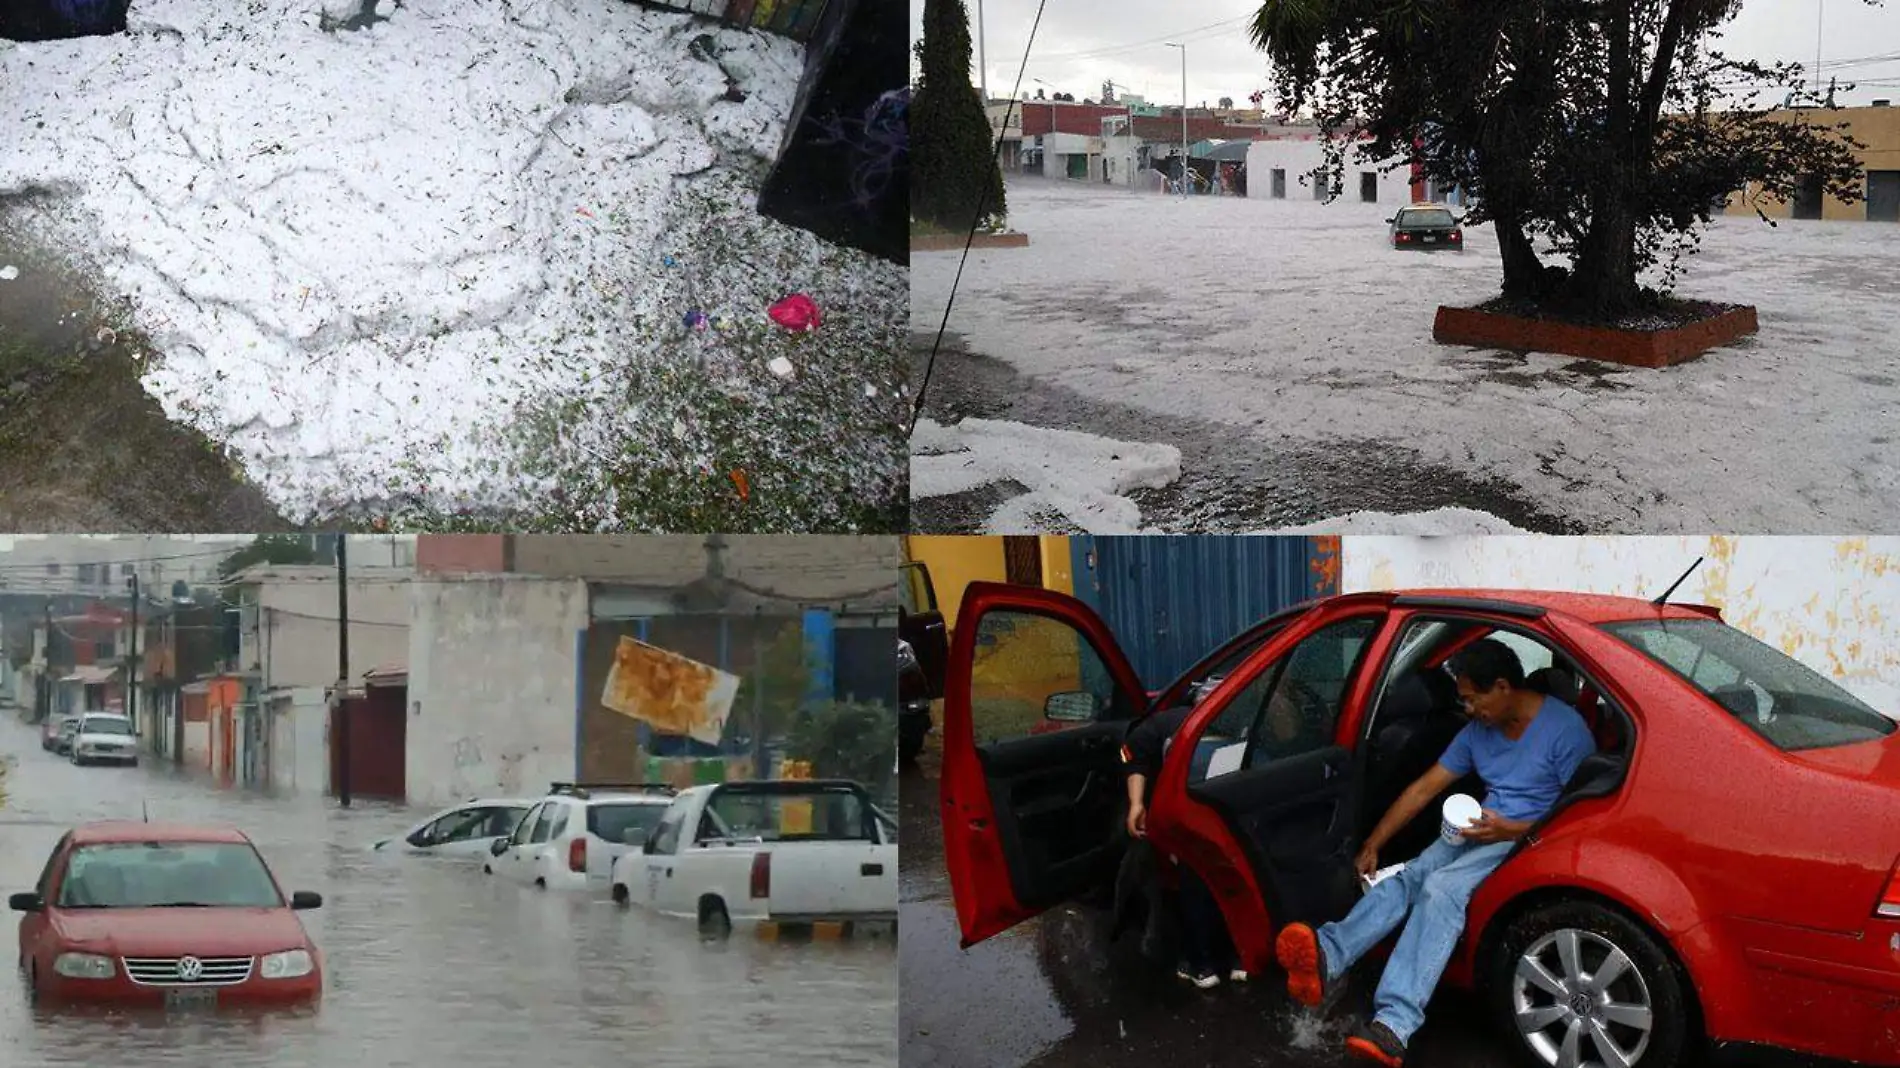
1525, 746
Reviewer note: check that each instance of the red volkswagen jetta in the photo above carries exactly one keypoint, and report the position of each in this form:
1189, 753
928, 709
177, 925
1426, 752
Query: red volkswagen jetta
164, 914
1724, 869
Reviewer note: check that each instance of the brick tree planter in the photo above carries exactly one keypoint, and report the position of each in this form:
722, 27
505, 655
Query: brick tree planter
1636, 348
953, 243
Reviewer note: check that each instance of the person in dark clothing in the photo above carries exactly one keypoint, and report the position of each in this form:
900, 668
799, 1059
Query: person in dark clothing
1206, 949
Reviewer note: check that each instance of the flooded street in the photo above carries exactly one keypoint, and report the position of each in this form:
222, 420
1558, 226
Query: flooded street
428, 962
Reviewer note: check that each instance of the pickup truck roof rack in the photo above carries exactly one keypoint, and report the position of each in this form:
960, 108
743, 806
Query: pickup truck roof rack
585, 789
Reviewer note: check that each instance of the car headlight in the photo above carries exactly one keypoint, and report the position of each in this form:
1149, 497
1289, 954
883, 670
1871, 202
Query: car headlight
83, 966
290, 964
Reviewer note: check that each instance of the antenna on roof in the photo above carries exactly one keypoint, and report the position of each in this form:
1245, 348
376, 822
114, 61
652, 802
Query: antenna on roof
145, 810
1664, 599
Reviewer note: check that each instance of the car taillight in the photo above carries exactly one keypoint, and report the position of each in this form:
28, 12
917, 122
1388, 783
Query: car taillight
761, 874
1403, 238
1889, 906
1457, 235
577, 855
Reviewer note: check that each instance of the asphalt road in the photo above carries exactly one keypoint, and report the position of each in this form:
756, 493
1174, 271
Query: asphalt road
429, 964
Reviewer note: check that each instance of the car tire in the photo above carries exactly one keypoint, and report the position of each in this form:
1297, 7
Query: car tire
714, 920
620, 894
1651, 980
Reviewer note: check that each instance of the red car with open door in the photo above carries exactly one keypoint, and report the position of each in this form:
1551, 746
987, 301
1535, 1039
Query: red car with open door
1725, 868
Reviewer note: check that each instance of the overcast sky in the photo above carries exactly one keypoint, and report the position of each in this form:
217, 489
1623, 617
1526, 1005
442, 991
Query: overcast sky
1082, 43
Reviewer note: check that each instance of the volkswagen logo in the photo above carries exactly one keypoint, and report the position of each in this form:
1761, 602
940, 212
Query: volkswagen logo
190, 969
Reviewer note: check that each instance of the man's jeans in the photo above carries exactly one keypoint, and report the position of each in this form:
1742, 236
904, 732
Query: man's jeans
1433, 889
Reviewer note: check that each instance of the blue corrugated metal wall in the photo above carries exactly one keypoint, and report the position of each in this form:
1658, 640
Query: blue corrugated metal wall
1170, 600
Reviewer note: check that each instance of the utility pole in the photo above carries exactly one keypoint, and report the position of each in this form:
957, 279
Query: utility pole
982, 68
759, 770
178, 699
1820, 19
132, 661
342, 672
1184, 140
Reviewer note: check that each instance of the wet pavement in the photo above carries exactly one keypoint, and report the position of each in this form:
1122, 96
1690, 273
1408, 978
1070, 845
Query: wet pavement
1233, 479
1056, 993
428, 963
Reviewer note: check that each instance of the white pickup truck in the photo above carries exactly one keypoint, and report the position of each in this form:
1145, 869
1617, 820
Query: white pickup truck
789, 851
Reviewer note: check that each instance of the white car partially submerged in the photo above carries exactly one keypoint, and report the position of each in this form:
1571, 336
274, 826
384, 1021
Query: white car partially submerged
570, 839
789, 851
464, 830
104, 738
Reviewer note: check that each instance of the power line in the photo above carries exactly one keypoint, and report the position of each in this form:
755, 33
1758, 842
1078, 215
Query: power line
1110, 50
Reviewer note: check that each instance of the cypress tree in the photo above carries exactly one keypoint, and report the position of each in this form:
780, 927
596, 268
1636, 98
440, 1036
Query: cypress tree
953, 159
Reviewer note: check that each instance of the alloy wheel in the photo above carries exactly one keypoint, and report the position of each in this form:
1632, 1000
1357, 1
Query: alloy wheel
1580, 1001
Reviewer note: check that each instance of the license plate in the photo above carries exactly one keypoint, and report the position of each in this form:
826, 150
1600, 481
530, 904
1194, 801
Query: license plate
1430, 240
190, 998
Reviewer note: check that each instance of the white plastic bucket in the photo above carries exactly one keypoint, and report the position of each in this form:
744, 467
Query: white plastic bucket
1461, 811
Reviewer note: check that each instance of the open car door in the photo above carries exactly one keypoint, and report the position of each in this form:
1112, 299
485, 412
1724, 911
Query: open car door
1031, 816
1268, 823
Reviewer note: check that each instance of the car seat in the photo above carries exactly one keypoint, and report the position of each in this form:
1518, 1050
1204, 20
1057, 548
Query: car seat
1414, 723
1740, 701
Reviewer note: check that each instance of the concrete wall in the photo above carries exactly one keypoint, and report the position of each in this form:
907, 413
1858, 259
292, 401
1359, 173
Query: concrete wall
804, 567
295, 639
1877, 128
1300, 157
492, 685
1832, 603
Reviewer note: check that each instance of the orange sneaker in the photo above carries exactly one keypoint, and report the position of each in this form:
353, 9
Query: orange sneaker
1300, 954
1375, 1042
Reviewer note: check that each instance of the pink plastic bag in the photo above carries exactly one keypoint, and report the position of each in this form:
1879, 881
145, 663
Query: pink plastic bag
796, 312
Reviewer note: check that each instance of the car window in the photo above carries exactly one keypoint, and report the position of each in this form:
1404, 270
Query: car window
45, 884
1300, 709
106, 725
544, 823
623, 823
1022, 661
460, 826
503, 819
1788, 703
162, 874
559, 826
666, 836
1425, 217
915, 591
527, 824
817, 815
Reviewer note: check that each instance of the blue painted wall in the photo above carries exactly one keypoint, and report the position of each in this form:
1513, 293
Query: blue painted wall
1171, 599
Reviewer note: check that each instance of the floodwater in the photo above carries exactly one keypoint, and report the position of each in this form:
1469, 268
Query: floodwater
430, 963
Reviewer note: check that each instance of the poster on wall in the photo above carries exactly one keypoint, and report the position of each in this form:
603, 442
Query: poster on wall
673, 694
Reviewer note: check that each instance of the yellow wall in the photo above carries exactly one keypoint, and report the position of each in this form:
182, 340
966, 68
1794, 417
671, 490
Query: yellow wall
957, 560
1877, 128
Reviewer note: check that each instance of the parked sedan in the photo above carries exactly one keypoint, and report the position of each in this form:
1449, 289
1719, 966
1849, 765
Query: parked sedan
570, 840
104, 738
1724, 869
166, 915
1426, 227
468, 829
50, 730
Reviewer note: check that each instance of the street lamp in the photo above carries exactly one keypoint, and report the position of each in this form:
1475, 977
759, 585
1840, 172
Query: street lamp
1184, 140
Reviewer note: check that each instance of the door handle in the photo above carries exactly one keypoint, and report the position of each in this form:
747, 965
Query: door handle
870, 869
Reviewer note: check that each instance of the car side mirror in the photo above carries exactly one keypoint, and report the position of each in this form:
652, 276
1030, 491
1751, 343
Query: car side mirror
1393, 219
498, 847
28, 901
1078, 706
306, 899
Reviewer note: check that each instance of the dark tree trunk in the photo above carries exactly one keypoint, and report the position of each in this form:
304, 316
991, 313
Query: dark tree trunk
1524, 273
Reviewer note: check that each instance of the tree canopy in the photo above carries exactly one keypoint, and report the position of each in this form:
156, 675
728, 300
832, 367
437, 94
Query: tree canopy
955, 183
1587, 131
